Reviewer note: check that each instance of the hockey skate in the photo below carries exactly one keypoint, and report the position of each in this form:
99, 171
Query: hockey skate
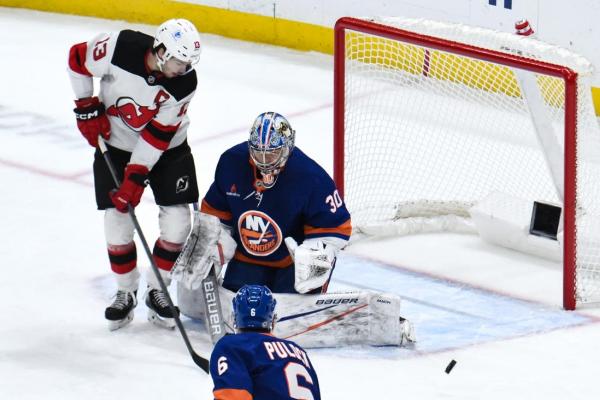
159, 312
407, 333
120, 312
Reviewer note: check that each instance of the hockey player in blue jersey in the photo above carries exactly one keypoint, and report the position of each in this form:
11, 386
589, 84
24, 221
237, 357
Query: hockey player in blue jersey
254, 365
267, 197
267, 192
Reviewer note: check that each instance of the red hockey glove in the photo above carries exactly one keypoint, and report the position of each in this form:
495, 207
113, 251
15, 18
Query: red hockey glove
131, 189
91, 119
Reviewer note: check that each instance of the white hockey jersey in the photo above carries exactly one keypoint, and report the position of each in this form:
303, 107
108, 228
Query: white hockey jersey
147, 112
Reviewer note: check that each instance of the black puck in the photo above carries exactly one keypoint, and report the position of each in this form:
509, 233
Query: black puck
451, 365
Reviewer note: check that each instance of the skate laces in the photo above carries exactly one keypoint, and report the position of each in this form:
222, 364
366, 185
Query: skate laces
159, 298
121, 300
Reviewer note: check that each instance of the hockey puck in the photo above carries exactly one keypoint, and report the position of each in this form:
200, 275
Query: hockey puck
451, 365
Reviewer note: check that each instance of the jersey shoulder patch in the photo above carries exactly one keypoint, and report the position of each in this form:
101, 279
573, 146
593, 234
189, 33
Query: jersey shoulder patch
130, 51
182, 86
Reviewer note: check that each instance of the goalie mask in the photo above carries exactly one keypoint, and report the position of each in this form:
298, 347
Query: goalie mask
271, 142
181, 41
254, 308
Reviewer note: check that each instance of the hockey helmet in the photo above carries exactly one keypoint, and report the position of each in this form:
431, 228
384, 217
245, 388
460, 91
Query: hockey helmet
180, 39
254, 308
271, 142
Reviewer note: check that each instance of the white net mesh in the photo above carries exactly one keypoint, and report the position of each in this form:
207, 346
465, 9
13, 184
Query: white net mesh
428, 133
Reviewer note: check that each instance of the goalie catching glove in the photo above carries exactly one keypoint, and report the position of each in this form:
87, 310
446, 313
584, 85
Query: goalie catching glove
313, 260
209, 244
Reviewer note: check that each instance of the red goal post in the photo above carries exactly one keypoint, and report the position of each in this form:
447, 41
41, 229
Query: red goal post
372, 56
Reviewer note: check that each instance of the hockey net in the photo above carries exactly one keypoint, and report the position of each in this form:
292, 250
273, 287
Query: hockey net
432, 118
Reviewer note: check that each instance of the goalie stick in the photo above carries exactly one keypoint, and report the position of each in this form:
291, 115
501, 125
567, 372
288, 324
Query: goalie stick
198, 360
213, 314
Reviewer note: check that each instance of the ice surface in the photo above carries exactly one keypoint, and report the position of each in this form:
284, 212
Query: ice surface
494, 311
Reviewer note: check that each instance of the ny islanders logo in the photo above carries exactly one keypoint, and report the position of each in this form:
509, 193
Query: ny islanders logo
259, 233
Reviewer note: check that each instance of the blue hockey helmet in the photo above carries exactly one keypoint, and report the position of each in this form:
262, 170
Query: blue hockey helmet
271, 142
254, 308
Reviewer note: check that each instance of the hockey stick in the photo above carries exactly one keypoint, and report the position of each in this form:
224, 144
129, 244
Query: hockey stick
199, 360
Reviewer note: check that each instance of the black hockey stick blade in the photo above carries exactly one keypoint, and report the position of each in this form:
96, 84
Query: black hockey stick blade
201, 362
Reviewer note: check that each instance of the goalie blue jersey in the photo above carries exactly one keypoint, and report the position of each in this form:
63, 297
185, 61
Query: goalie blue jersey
258, 366
304, 203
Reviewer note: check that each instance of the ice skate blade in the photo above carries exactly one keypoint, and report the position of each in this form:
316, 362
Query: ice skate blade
167, 323
114, 325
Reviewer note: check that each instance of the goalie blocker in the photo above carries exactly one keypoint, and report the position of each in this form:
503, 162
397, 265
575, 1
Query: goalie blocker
322, 320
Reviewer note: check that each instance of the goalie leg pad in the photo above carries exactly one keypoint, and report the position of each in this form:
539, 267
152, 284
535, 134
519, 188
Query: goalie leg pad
199, 253
340, 319
407, 333
323, 320
192, 304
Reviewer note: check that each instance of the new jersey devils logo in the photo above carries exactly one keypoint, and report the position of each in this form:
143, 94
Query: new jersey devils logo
182, 184
134, 115
260, 235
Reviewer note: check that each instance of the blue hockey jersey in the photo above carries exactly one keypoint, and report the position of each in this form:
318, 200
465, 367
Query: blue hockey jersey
258, 366
304, 203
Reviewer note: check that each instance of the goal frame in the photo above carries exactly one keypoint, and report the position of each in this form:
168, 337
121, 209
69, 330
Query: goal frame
569, 76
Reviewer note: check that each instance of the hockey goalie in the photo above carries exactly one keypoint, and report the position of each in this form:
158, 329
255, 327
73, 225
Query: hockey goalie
275, 217
311, 320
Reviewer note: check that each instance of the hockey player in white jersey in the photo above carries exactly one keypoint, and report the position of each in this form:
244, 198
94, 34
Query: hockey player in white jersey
145, 88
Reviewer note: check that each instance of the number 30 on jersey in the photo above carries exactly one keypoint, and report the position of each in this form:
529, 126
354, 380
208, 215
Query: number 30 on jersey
334, 200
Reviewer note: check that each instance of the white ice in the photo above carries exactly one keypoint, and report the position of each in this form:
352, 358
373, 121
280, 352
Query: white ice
496, 312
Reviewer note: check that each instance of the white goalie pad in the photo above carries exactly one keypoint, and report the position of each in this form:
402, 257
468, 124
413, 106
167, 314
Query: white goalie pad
201, 251
322, 320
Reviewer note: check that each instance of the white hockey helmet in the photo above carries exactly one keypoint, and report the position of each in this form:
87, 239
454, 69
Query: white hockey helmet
180, 39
